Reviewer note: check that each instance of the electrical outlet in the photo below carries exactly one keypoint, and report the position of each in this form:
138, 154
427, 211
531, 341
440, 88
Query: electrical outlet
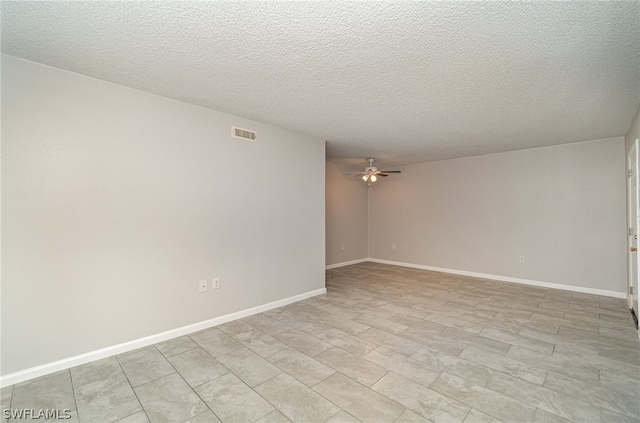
216, 283
393, 246
521, 259
342, 247
203, 286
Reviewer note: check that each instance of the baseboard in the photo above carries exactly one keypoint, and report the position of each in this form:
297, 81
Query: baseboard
44, 369
346, 263
573, 288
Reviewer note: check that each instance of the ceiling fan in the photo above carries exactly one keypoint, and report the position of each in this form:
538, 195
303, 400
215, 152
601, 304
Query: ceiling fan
371, 172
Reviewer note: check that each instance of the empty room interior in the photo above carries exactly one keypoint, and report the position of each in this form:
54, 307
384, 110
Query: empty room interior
320, 211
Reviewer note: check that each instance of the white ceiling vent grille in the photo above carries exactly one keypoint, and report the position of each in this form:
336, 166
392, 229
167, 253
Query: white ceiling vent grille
244, 134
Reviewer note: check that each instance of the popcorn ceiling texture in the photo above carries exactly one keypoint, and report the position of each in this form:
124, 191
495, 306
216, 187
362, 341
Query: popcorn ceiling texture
403, 82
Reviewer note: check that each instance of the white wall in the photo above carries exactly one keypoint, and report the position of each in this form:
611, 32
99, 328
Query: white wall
634, 131
561, 207
116, 202
346, 224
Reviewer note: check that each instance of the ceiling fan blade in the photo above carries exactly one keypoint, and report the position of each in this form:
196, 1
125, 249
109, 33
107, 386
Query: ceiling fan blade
381, 174
353, 173
390, 171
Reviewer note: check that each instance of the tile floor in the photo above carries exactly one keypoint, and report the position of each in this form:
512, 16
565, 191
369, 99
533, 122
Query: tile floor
385, 344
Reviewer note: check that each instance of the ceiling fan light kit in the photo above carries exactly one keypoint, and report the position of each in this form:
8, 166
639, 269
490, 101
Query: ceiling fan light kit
371, 173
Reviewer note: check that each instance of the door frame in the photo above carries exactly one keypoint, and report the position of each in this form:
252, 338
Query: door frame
633, 259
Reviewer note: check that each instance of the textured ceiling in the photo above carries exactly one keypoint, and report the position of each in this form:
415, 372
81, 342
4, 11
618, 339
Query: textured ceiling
404, 82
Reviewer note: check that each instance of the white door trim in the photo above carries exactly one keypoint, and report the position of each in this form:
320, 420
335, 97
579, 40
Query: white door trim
633, 224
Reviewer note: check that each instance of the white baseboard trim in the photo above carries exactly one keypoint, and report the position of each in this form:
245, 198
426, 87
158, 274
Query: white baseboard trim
573, 288
346, 263
44, 369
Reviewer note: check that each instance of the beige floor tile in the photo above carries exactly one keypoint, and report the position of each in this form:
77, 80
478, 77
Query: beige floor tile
197, 366
520, 341
454, 322
554, 402
622, 402
95, 371
145, 366
411, 369
234, 327
274, 417
488, 401
343, 417
296, 401
409, 416
303, 342
472, 340
266, 324
232, 400
381, 323
108, 399
206, 417
475, 373
259, 342
302, 367
139, 417
54, 392
546, 417
169, 399
249, 366
390, 341
564, 364
476, 416
358, 400
422, 401
384, 344
357, 368
504, 364
608, 416
176, 346
216, 342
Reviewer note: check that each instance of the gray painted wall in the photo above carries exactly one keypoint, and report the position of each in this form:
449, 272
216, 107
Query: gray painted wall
116, 202
346, 203
561, 207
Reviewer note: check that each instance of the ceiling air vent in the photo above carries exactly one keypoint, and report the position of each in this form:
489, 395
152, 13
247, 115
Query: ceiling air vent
244, 134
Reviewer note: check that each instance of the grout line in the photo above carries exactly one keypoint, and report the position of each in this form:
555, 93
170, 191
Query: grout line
75, 401
130, 386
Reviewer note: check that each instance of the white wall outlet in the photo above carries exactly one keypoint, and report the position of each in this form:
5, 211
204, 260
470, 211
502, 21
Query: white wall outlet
216, 283
203, 286
521, 259
342, 247
393, 246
